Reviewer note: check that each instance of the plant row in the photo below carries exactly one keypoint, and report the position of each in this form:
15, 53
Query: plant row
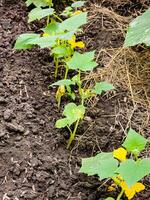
59, 36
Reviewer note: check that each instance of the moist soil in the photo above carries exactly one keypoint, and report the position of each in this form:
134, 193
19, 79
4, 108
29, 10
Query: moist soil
34, 161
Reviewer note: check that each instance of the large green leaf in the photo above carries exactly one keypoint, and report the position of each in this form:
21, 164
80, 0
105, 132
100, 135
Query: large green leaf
139, 30
133, 171
39, 13
74, 22
24, 40
84, 62
134, 142
103, 165
102, 87
44, 42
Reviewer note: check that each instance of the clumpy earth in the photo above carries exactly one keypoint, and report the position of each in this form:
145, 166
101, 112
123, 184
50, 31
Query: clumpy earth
34, 161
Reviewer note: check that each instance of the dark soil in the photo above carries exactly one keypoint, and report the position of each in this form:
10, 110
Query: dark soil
34, 162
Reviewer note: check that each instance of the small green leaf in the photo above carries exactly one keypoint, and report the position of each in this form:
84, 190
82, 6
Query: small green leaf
44, 42
110, 198
78, 4
83, 62
61, 51
139, 30
65, 82
37, 3
39, 13
103, 165
23, 40
133, 171
102, 87
134, 142
73, 23
74, 112
61, 123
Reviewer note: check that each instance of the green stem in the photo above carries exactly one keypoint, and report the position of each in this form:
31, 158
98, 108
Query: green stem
72, 134
58, 18
48, 18
82, 101
66, 72
120, 195
56, 67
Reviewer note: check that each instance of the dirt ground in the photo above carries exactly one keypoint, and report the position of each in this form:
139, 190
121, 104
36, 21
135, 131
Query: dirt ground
34, 161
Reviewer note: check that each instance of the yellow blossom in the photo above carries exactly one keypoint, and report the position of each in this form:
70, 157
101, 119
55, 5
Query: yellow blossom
45, 34
130, 192
74, 44
60, 92
120, 154
76, 12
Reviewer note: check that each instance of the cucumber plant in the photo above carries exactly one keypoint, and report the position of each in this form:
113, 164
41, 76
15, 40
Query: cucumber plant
124, 166
81, 63
58, 35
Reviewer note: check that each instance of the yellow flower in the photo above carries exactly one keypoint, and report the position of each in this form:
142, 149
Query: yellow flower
46, 34
74, 44
130, 192
60, 92
76, 12
120, 154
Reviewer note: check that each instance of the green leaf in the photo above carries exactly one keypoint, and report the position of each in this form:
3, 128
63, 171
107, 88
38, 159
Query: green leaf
74, 22
133, 171
61, 51
78, 4
84, 62
51, 28
103, 165
110, 198
43, 42
139, 30
73, 112
61, 123
39, 13
134, 142
37, 3
102, 87
65, 82
23, 40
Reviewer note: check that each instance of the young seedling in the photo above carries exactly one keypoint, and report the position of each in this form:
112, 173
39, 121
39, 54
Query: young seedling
81, 63
73, 114
124, 166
